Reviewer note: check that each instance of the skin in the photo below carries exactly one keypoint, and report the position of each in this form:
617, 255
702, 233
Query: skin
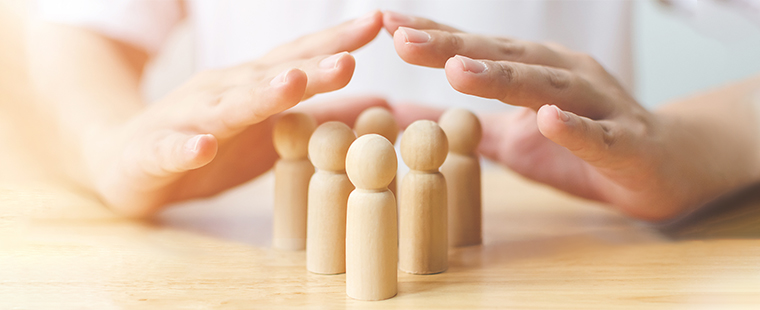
208, 135
578, 130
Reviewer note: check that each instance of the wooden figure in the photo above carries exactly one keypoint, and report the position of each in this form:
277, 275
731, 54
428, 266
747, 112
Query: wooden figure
462, 172
292, 173
423, 245
371, 227
328, 195
380, 121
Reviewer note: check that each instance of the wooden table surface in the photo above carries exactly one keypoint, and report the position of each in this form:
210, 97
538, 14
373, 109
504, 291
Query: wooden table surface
60, 248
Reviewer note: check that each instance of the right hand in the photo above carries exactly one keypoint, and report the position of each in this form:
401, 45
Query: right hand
215, 131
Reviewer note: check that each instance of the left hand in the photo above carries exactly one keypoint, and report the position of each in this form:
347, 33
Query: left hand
579, 130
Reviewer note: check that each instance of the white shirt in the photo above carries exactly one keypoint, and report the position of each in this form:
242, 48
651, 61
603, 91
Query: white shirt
231, 32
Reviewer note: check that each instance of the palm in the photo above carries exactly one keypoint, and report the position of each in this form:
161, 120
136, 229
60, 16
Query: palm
214, 132
514, 140
238, 160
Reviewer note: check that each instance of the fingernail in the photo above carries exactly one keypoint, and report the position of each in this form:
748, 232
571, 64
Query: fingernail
397, 17
332, 61
562, 115
367, 18
193, 145
471, 65
280, 78
414, 35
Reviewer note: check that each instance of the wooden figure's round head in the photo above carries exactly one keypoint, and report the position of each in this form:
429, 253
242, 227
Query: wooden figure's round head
291, 135
377, 120
371, 162
328, 146
462, 129
424, 146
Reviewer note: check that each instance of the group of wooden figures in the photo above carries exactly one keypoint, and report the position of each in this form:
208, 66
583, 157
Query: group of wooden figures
345, 214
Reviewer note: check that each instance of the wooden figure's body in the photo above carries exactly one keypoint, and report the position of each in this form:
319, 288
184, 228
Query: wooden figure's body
292, 173
379, 121
290, 190
422, 223
462, 172
328, 197
423, 240
371, 227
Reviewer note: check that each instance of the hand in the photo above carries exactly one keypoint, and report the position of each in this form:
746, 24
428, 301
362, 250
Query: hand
579, 130
214, 132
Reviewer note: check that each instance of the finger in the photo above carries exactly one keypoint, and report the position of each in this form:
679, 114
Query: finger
393, 20
344, 110
244, 105
408, 113
599, 143
347, 36
167, 154
432, 48
326, 73
525, 85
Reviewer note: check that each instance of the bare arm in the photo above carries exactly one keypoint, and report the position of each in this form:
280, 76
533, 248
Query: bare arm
90, 82
210, 134
581, 132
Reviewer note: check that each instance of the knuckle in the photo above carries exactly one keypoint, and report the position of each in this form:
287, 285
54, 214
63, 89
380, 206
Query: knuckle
506, 74
510, 49
557, 79
455, 42
609, 138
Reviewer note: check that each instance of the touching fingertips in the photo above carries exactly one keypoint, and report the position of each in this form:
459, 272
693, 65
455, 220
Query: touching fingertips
414, 36
396, 17
471, 65
369, 18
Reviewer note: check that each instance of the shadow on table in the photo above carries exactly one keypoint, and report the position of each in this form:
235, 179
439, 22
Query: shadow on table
734, 215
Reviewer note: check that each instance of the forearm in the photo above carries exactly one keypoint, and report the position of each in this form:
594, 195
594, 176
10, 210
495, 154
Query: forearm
92, 81
722, 129
88, 82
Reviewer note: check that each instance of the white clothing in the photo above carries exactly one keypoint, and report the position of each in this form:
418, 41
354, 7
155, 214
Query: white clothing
230, 32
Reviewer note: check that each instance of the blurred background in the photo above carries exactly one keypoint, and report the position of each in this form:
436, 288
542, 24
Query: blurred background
678, 50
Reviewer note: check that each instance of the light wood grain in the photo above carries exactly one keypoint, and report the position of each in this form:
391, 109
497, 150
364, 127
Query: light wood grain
60, 248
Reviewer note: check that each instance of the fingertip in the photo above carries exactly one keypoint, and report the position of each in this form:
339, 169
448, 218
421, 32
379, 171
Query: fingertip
392, 20
454, 65
370, 25
290, 85
462, 78
345, 66
289, 78
412, 46
373, 19
200, 150
552, 121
